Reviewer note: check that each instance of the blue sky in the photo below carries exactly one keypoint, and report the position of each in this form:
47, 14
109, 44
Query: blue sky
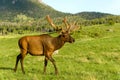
75, 6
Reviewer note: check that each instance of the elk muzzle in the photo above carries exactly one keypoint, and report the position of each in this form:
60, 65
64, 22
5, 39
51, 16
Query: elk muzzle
72, 40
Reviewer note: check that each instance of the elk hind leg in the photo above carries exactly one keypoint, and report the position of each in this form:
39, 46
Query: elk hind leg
21, 60
17, 60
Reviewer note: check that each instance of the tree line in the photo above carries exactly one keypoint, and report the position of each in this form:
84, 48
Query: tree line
22, 24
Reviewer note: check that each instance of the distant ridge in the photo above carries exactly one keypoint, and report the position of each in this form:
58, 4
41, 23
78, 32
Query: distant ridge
37, 9
92, 15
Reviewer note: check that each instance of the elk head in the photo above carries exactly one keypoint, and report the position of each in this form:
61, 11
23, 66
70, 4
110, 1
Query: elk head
64, 33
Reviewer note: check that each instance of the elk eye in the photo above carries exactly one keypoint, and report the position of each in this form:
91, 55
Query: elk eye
63, 35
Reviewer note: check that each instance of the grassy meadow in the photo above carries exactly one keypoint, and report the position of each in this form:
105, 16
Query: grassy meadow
94, 56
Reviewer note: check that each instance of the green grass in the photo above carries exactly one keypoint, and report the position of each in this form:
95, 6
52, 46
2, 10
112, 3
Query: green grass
94, 56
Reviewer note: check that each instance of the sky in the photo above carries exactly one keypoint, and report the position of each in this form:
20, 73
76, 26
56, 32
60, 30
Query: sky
76, 6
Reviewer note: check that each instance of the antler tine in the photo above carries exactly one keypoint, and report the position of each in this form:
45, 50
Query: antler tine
51, 22
74, 27
66, 24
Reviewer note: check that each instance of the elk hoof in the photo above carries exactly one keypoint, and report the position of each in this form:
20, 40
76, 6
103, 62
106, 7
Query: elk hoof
44, 73
56, 72
23, 72
14, 70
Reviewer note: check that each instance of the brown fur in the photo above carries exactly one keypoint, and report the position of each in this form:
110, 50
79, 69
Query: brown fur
41, 45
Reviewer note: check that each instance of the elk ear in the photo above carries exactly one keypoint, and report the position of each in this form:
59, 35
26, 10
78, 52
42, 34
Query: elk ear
67, 31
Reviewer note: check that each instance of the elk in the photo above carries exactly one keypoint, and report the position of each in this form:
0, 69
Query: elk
44, 45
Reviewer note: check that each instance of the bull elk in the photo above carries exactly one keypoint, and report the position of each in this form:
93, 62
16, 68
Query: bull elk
44, 45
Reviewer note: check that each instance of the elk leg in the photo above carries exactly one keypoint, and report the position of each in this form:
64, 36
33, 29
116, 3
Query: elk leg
21, 60
53, 62
17, 60
45, 64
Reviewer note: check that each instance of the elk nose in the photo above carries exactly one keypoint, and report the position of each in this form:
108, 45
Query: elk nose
73, 40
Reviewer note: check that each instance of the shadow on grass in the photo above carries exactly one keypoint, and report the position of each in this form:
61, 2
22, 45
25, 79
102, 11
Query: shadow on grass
6, 68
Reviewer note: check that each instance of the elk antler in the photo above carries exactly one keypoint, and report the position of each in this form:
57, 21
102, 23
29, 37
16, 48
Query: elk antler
66, 24
70, 27
51, 22
74, 26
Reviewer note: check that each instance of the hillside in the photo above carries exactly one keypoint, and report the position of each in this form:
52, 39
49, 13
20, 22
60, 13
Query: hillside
92, 15
34, 9
31, 8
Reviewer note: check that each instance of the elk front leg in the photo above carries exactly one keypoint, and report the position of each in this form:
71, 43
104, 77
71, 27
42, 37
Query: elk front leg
53, 62
45, 64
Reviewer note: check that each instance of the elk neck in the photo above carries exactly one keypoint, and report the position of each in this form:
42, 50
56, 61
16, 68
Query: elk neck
58, 42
